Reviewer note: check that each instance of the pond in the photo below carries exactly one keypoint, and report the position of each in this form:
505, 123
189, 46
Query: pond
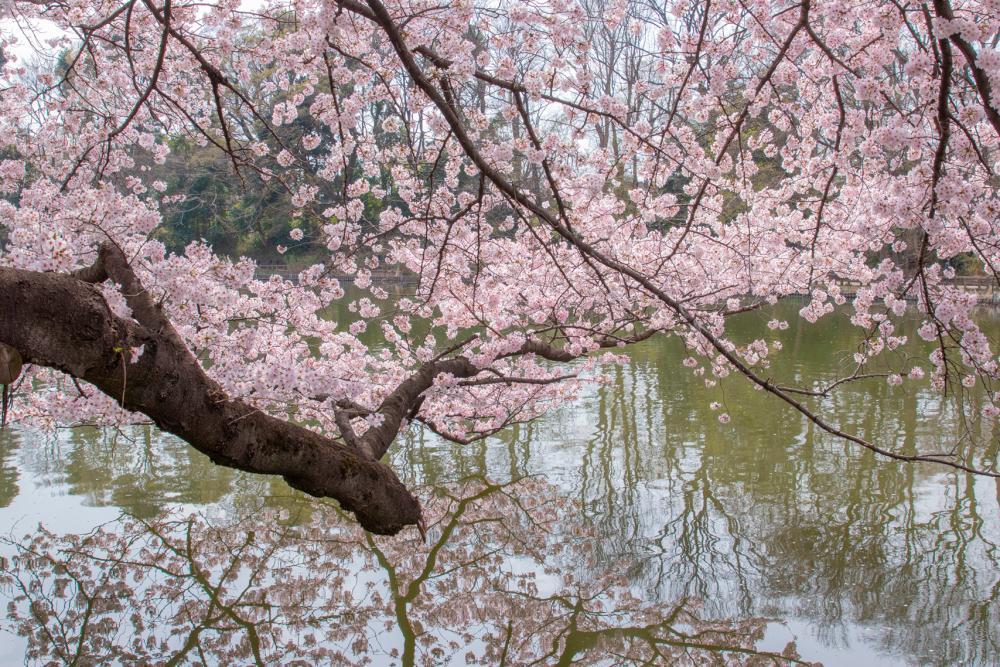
629, 526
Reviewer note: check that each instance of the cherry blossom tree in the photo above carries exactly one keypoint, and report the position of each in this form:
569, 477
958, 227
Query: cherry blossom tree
563, 179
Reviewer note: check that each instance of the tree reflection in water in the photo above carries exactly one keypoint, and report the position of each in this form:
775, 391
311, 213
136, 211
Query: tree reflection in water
8, 472
760, 518
499, 581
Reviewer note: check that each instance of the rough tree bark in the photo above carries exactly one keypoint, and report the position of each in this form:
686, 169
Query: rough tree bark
63, 322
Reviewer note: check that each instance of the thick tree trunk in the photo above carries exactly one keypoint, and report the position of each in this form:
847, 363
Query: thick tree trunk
63, 322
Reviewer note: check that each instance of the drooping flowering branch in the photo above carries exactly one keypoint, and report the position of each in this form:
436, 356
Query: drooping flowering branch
562, 226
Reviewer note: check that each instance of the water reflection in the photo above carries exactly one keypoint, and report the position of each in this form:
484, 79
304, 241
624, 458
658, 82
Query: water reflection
138, 469
502, 580
763, 518
766, 516
8, 469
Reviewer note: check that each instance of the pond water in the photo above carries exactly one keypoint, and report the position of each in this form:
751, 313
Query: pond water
629, 526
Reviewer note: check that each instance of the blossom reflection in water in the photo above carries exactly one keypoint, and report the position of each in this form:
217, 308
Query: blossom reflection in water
497, 581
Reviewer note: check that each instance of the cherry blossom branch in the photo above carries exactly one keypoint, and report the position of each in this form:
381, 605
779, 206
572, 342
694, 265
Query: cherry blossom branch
405, 401
64, 322
826, 389
983, 86
378, 13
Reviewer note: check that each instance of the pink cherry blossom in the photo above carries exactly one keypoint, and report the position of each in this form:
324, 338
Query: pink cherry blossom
545, 199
